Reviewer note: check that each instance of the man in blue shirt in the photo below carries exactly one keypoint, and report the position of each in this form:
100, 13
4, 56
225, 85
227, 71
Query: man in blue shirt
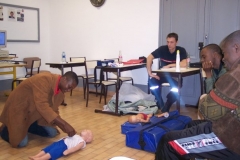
167, 55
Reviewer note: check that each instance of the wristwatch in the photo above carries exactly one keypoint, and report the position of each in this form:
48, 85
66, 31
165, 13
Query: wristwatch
97, 3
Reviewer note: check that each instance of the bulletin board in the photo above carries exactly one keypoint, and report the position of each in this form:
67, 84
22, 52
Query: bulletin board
21, 22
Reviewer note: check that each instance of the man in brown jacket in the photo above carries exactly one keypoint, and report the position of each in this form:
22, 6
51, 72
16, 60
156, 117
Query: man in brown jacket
33, 107
218, 136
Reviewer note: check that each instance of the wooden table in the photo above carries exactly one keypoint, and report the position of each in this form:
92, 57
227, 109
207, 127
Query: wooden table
13, 71
7, 58
118, 70
183, 73
61, 66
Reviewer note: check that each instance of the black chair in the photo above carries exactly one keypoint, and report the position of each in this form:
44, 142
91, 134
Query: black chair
122, 79
97, 81
82, 76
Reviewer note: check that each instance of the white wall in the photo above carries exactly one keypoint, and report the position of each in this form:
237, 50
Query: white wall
24, 49
80, 29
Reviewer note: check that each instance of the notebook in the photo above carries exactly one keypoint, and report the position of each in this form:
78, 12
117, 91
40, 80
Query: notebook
134, 61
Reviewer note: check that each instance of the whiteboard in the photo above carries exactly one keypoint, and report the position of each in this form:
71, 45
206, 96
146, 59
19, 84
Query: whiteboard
21, 23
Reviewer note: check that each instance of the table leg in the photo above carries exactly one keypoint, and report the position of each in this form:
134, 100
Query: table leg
62, 72
107, 112
14, 73
117, 91
179, 91
201, 84
62, 69
117, 97
14, 76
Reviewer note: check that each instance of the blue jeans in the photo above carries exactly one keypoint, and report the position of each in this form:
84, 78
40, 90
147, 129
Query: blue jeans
50, 132
156, 91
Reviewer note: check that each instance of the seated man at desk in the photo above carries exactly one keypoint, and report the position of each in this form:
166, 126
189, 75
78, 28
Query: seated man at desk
33, 107
213, 66
167, 55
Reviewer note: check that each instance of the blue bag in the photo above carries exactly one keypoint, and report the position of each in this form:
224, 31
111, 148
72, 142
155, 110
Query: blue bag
125, 127
104, 63
146, 137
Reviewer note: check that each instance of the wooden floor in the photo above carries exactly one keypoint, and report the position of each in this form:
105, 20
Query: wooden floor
108, 141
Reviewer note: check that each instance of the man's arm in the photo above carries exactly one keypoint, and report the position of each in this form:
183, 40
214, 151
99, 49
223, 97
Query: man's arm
74, 149
149, 66
183, 57
207, 67
41, 90
145, 120
64, 126
183, 64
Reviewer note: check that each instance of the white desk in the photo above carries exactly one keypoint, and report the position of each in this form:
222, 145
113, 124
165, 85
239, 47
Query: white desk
183, 73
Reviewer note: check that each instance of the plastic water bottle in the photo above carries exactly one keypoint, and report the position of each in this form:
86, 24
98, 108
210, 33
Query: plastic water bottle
64, 57
178, 61
120, 57
188, 61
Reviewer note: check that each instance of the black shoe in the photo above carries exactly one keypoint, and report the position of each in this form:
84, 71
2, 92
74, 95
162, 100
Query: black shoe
160, 106
166, 107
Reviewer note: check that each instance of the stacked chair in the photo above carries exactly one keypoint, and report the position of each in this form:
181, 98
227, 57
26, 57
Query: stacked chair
32, 67
122, 79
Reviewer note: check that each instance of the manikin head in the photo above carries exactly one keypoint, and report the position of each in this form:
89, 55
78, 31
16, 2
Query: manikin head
87, 135
133, 119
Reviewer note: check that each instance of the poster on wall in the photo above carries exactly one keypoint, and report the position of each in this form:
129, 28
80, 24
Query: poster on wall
11, 14
21, 23
20, 15
1, 13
